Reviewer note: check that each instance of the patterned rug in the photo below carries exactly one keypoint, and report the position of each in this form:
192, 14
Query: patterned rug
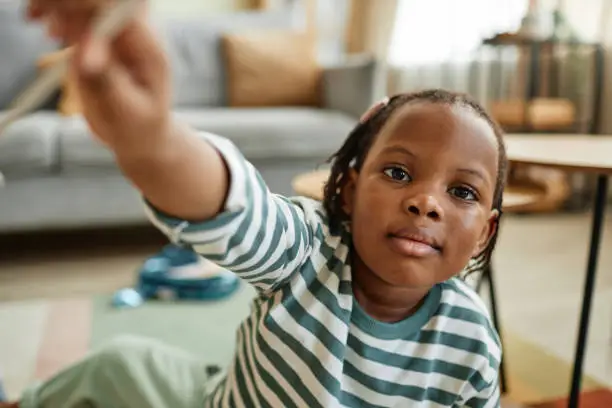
39, 337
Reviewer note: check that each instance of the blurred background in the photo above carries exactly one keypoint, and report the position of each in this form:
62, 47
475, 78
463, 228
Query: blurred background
286, 81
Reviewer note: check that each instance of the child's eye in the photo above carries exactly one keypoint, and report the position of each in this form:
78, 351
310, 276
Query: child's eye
397, 174
464, 193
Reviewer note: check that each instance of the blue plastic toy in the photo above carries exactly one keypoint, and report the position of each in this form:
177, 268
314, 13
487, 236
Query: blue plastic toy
178, 273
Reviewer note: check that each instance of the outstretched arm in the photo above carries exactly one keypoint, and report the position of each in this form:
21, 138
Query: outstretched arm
182, 174
261, 236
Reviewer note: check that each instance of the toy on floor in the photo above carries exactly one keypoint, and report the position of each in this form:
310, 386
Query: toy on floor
177, 273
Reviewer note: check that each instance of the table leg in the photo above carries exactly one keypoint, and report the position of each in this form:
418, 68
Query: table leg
496, 323
596, 232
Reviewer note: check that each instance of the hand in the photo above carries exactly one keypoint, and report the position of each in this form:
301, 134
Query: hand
124, 87
123, 83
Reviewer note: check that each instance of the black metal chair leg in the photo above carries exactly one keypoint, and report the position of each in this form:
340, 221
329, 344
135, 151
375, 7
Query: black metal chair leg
488, 274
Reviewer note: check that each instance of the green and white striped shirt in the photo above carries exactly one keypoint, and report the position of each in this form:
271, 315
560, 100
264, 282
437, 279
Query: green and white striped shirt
307, 342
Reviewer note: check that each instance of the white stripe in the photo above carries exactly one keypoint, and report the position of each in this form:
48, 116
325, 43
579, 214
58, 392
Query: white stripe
401, 376
263, 360
232, 387
459, 299
248, 376
493, 400
307, 377
308, 340
254, 226
313, 305
235, 162
411, 348
473, 296
287, 239
473, 331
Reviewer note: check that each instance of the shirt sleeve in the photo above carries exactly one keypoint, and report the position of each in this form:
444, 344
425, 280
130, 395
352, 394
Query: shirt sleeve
260, 236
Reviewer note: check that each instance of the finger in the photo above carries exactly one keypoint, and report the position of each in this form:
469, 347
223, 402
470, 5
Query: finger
139, 49
103, 82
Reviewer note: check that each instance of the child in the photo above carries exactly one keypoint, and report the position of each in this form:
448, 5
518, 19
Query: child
359, 301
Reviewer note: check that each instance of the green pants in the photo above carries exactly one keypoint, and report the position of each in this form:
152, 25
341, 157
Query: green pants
128, 372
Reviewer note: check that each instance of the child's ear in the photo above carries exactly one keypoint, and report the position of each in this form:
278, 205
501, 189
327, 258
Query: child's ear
487, 233
348, 192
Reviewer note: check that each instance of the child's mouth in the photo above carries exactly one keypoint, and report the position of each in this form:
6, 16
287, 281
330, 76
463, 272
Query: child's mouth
412, 246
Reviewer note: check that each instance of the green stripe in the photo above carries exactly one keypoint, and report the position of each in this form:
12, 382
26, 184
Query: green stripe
312, 362
328, 298
416, 364
458, 342
351, 400
483, 400
346, 288
217, 222
240, 380
286, 371
470, 316
453, 285
461, 313
303, 240
280, 225
246, 222
231, 401
248, 351
270, 381
318, 330
400, 390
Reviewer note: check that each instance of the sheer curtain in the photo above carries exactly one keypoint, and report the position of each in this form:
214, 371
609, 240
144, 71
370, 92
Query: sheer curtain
331, 22
434, 42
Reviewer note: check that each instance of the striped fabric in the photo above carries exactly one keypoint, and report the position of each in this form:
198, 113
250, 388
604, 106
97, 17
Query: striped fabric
307, 342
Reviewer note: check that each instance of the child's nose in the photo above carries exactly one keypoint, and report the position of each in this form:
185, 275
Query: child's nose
425, 205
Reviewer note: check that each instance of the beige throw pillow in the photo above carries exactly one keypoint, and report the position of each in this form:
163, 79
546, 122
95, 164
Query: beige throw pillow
271, 68
69, 103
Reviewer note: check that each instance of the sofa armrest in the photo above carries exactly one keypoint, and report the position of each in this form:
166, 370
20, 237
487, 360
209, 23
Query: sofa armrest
352, 86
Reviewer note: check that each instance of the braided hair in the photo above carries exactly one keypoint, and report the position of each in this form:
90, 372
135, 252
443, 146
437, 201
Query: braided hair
353, 152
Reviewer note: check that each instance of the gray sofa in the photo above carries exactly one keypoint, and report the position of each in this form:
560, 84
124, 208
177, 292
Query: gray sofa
59, 177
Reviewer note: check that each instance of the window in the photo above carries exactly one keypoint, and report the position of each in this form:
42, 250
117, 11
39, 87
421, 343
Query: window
434, 31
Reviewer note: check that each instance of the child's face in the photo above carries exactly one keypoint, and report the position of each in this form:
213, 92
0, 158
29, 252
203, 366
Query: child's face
420, 207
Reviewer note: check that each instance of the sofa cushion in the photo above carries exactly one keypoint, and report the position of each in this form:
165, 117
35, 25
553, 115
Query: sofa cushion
272, 68
21, 44
79, 148
29, 145
262, 133
194, 50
